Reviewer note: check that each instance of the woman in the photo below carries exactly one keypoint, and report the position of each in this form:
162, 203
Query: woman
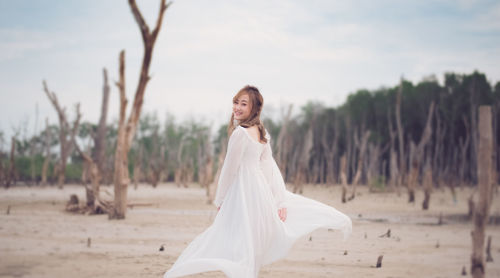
258, 220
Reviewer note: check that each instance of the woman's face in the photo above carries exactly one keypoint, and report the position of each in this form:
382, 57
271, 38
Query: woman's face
242, 108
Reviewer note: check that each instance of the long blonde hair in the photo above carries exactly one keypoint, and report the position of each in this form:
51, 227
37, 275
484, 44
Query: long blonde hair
257, 102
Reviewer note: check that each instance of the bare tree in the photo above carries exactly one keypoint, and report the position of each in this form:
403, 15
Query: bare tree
126, 131
66, 134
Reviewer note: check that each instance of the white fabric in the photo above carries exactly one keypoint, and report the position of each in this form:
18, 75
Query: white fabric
247, 232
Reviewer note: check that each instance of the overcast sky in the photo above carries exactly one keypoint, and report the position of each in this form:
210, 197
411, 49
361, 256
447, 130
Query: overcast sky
293, 51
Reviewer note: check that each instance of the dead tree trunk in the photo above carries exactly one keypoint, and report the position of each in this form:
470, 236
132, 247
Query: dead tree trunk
2, 171
330, 154
473, 132
47, 139
11, 173
343, 177
99, 152
94, 203
399, 125
282, 152
179, 171
157, 159
437, 160
303, 162
205, 162
220, 161
64, 131
359, 168
393, 163
463, 152
349, 147
417, 157
481, 212
33, 149
412, 177
126, 131
138, 167
427, 184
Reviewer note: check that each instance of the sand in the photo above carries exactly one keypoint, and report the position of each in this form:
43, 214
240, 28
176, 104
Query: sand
39, 239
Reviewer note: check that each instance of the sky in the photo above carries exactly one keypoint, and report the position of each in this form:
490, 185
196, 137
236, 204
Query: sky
293, 51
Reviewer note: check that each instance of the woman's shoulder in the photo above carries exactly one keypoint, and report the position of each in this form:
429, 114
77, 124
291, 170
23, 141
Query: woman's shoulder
254, 130
238, 131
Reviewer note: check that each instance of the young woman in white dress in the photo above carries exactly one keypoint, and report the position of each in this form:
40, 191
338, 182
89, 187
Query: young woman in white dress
258, 220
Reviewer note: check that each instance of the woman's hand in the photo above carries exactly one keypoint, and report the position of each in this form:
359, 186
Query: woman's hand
282, 214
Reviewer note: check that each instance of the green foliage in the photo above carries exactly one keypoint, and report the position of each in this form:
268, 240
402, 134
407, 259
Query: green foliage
379, 183
182, 142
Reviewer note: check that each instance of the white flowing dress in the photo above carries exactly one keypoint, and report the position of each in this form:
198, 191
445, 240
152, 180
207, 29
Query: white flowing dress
247, 232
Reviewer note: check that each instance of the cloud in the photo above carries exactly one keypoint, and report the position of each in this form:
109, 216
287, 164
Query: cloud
293, 50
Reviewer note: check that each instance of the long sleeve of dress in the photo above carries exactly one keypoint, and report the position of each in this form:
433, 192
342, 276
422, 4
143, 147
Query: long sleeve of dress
235, 149
272, 174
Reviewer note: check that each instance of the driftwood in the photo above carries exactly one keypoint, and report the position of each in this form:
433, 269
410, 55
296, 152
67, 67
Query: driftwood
387, 234
379, 261
73, 204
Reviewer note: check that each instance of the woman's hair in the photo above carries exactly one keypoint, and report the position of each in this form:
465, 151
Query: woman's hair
256, 102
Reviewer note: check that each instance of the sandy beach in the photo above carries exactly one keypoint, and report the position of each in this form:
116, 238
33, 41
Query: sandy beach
39, 239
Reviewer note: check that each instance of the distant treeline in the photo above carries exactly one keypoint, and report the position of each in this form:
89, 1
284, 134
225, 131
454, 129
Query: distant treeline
376, 138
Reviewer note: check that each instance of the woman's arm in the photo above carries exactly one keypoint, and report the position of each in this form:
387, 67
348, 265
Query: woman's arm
235, 148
